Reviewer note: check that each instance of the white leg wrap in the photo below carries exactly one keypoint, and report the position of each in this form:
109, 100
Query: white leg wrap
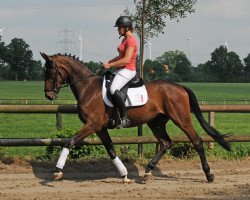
62, 159
120, 167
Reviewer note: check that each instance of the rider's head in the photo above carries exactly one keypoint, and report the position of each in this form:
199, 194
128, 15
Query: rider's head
126, 22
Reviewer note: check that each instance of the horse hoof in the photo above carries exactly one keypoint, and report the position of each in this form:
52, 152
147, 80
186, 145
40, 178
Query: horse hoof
127, 180
210, 178
147, 176
57, 176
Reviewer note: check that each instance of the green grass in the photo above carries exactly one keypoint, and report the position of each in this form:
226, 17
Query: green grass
204, 91
233, 93
43, 125
31, 92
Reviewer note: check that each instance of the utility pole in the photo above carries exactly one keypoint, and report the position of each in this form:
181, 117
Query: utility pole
80, 43
226, 44
66, 44
190, 48
1, 34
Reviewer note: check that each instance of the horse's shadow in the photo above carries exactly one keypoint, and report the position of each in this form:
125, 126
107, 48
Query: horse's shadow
103, 170
85, 171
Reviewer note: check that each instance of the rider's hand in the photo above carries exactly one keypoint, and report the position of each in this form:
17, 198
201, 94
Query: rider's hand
106, 65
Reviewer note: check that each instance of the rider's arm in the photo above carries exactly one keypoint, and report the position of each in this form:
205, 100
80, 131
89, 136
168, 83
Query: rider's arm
115, 59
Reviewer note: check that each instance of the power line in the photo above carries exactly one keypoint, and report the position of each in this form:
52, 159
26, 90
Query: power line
66, 45
62, 5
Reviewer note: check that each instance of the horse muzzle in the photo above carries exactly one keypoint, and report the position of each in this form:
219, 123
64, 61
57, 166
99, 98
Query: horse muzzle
51, 95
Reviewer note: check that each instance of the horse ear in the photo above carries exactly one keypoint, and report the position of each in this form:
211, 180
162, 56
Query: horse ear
45, 57
49, 60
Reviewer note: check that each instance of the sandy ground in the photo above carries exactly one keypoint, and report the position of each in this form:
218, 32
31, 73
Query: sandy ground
173, 179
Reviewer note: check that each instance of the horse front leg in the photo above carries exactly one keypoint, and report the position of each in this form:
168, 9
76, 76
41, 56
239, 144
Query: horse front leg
157, 126
108, 144
83, 133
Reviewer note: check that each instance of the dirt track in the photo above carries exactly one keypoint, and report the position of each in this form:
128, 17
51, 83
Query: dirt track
180, 179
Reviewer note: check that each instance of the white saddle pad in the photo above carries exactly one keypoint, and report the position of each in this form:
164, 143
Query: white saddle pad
136, 96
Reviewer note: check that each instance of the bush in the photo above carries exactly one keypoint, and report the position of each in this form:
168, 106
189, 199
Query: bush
238, 151
183, 151
76, 151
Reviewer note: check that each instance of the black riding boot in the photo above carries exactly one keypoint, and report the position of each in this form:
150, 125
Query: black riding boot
120, 104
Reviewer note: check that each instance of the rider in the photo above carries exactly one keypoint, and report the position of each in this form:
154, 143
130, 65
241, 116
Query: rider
126, 64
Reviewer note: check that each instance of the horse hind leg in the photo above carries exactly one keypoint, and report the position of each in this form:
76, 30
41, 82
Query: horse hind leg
198, 145
158, 127
187, 127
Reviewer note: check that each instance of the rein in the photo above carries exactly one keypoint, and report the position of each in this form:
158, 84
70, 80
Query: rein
56, 88
72, 83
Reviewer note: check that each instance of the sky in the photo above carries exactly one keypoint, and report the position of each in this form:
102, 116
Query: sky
42, 25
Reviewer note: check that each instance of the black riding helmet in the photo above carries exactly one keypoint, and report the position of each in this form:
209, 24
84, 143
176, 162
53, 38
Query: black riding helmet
124, 21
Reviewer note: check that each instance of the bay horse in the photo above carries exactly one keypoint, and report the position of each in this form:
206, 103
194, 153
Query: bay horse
166, 101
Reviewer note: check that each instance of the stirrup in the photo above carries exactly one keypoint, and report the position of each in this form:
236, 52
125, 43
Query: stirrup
124, 123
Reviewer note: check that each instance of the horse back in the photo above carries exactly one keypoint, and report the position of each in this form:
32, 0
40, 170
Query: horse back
165, 96
165, 89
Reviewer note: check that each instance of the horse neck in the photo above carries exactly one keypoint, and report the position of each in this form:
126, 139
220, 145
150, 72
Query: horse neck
78, 71
78, 77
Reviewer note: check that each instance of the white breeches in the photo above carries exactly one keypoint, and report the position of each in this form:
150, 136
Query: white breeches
122, 77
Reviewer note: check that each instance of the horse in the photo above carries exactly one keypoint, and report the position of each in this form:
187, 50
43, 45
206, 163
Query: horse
166, 101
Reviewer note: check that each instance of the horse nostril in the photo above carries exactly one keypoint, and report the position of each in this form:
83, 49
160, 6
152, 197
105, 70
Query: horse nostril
49, 97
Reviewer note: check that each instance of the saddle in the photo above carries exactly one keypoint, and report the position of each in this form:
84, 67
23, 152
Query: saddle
134, 92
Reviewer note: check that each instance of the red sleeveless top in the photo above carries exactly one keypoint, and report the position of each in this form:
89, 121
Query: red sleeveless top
130, 42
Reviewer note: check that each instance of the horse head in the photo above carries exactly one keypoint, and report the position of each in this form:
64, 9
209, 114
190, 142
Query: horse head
55, 77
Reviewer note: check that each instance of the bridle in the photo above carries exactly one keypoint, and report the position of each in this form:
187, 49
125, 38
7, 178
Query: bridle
65, 83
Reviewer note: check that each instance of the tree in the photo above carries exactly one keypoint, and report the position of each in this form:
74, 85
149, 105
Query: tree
2, 50
18, 62
93, 66
224, 66
35, 70
170, 58
202, 73
247, 68
19, 58
235, 67
183, 67
178, 64
149, 17
3, 66
154, 70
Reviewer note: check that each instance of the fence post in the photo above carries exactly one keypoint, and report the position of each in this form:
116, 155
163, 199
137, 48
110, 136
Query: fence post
211, 122
58, 121
140, 147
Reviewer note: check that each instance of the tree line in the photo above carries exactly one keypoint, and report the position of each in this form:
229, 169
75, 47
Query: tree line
224, 66
17, 63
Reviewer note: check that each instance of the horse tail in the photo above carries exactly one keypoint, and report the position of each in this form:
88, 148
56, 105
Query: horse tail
204, 124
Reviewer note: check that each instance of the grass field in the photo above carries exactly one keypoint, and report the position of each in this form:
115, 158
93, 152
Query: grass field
43, 125
209, 92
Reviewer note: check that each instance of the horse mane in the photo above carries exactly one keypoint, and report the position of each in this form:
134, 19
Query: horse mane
69, 55
82, 64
